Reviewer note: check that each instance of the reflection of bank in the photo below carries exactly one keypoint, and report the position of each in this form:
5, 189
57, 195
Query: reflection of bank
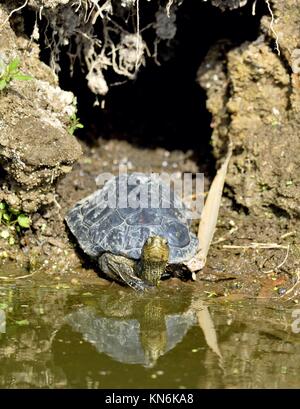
139, 330
2, 322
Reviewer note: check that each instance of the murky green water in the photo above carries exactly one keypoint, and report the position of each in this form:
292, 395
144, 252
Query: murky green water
58, 336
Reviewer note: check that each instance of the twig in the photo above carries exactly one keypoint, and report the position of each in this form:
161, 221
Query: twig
281, 264
17, 278
257, 246
291, 233
294, 286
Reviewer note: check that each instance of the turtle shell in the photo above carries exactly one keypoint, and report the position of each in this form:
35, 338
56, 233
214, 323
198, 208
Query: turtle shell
120, 338
109, 220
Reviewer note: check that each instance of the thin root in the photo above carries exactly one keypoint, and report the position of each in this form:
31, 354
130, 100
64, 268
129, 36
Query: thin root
17, 278
12, 12
291, 290
272, 27
281, 264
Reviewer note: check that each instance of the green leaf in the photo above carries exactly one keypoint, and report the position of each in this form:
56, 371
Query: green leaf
2, 206
13, 211
14, 64
22, 77
22, 322
6, 217
3, 84
23, 221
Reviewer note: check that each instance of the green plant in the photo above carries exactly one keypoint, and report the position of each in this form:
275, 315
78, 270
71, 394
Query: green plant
74, 124
11, 72
12, 217
264, 186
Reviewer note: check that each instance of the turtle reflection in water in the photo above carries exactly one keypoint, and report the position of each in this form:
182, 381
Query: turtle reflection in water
134, 245
134, 330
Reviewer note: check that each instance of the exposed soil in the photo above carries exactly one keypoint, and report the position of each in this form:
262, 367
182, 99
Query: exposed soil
231, 272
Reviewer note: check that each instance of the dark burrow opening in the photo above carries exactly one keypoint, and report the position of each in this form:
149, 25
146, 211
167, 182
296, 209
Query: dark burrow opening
164, 106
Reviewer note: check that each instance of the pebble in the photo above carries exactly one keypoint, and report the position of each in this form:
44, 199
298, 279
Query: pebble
281, 291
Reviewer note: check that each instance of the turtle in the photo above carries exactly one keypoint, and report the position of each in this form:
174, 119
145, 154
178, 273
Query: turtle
134, 330
135, 226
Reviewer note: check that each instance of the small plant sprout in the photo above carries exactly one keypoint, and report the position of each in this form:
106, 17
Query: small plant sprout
11, 72
13, 217
74, 124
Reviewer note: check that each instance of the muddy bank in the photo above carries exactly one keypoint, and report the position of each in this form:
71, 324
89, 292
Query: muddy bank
230, 272
253, 96
36, 148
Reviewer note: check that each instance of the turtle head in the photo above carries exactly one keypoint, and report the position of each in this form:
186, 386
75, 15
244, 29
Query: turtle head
154, 259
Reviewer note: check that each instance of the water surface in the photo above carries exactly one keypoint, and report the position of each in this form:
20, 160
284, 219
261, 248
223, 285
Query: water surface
63, 336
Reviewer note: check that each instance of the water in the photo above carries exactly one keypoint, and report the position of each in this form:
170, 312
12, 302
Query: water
64, 336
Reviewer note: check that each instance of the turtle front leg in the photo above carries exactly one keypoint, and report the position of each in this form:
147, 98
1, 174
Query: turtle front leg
122, 269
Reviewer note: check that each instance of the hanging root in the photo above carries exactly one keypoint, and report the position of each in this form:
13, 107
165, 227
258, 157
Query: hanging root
272, 27
12, 12
168, 7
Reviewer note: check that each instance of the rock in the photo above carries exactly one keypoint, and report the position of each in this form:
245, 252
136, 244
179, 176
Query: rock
35, 146
229, 4
254, 101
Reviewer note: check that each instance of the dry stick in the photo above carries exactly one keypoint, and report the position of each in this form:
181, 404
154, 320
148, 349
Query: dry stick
271, 246
281, 264
267, 246
290, 233
209, 217
206, 323
294, 286
16, 278
264, 246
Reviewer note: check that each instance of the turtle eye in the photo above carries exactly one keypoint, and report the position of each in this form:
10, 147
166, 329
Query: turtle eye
165, 241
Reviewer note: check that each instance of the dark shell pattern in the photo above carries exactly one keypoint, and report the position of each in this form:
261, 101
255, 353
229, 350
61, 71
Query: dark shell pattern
122, 230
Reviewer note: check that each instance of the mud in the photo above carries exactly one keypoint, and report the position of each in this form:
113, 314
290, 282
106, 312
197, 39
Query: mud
233, 273
251, 106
